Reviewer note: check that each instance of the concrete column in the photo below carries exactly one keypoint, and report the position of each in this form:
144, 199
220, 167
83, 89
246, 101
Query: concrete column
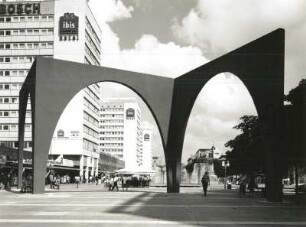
173, 174
22, 114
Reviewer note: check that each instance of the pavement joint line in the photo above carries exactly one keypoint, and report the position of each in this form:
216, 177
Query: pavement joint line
141, 222
146, 205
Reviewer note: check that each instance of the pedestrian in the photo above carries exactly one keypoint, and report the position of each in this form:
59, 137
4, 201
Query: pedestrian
116, 179
77, 180
51, 179
251, 185
124, 183
111, 183
205, 182
242, 185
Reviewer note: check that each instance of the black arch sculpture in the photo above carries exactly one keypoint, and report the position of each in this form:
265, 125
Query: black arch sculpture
51, 84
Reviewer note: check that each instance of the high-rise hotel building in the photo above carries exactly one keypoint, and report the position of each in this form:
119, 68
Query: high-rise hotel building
62, 29
121, 133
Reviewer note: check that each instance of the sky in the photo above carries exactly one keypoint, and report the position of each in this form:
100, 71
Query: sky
171, 37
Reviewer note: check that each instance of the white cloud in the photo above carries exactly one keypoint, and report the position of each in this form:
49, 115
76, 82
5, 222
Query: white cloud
221, 103
153, 57
110, 10
223, 25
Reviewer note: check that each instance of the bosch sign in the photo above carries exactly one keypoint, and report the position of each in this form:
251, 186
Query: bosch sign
19, 9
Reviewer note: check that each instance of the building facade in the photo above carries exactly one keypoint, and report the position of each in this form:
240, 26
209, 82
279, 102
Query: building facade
121, 133
62, 29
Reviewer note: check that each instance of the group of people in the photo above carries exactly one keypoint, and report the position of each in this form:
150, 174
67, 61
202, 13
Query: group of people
55, 181
114, 181
247, 182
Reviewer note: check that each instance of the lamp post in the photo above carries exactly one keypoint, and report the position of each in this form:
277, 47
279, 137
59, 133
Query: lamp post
225, 163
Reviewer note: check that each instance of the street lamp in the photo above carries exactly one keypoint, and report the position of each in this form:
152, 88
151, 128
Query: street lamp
225, 163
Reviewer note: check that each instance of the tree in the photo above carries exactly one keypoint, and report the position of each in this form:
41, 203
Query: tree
247, 153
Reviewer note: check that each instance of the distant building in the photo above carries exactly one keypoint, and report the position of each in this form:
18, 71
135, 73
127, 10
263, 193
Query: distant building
122, 135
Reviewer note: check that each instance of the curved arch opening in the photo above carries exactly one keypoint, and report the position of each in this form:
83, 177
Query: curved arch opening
106, 128
219, 107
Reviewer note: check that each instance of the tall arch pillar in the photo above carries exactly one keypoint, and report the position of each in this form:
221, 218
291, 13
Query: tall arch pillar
260, 66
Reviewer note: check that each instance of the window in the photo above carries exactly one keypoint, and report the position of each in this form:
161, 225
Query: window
7, 59
36, 32
14, 73
15, 32
5, 113
30, 32
21, 46
7, 73
60, 133
1, 33
36, 46
8, 19
1, 19
8, 32
36, 18
15, 19
1, 46
15, 46
7, 46
22, 31
22, 19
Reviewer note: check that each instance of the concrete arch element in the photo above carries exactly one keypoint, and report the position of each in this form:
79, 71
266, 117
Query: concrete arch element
259, 65
54, 83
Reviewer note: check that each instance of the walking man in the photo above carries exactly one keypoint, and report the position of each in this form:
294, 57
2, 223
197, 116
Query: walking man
205, 182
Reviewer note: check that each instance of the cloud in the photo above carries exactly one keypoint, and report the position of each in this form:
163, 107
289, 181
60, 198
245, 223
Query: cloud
110, 10
151, 56
221, 26
222, 101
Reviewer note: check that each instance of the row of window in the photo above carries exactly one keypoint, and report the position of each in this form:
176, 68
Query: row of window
108, 109
111, 133
90, 28
91, 119
15, 144
111, 138
14, 127
112, 150
9, 100
92, 43
29, 31
90, 106
13, 72
25, 46
89, 145
112, 121
14, 86
111, 127
92, 94
111, 144
17, 59
93, 57
117, 116
42, 18
9, 113
90, 131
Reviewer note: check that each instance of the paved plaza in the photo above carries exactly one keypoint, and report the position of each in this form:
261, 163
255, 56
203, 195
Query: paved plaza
94, 205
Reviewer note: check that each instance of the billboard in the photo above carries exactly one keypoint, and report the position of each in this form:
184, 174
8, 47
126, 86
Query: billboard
69, 27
